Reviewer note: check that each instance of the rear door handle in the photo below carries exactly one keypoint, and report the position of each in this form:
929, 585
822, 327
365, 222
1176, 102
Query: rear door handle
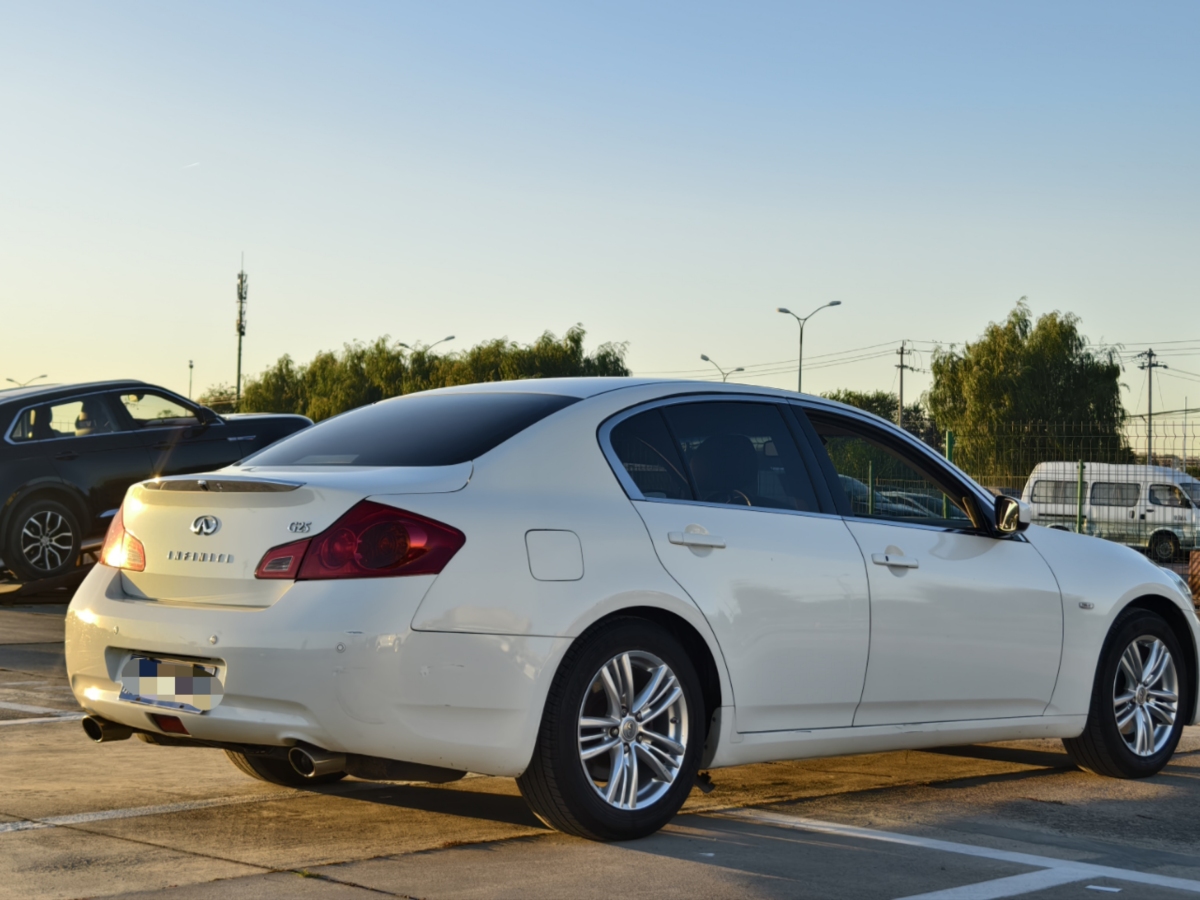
892, 561
689, 539
66, 455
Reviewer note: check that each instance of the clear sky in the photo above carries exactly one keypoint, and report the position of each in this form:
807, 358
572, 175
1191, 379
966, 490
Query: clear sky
666, 174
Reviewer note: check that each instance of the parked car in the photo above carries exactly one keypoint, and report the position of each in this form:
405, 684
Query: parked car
1153, 508
70, 452
601, 586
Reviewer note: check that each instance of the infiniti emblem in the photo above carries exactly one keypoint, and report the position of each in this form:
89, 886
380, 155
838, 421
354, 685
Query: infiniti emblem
206, 525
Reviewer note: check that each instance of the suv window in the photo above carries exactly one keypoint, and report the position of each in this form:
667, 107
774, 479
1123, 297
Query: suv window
1113, 493
740, 454
150, 410
1167, 495
881, 482
69, 418
413, 430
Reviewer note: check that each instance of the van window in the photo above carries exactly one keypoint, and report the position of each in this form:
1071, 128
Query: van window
1056, 491
1115, 493
413, 430
1167, 495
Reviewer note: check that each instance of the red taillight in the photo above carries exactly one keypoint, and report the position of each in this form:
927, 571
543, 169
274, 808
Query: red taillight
283, 561
121, 549
370, 541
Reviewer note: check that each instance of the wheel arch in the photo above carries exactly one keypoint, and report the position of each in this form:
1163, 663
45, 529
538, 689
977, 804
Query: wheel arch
1177, 620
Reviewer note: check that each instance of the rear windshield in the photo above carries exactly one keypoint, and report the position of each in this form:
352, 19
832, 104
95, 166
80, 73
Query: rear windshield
414, 430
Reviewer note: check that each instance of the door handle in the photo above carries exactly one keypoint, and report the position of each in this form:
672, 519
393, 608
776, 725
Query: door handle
689, 539
66, 455
892, 561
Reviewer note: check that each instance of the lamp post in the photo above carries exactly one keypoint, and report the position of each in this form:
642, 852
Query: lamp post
724, 375
24, 383
431, 346
802, 320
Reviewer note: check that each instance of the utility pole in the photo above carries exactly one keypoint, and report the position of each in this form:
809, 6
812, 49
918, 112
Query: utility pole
902, 367
1149, 364
241, 329
189, 379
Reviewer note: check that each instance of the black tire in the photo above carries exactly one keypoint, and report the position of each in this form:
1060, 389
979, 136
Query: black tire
43, 540
556, 785
277, 770
1102, 748
1163, 547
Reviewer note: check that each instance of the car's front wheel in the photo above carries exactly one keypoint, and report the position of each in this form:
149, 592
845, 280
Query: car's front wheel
621, 735
1141, 693
44, 539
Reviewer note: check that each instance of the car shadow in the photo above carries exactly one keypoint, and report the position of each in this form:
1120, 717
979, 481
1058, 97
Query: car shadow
1017, 755
448, 801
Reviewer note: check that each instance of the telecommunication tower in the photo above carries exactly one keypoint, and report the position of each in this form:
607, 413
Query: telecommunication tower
242, 290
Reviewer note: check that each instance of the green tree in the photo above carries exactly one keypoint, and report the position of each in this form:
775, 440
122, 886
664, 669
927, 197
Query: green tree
885, 404
1028, 392
334, 382
220, 398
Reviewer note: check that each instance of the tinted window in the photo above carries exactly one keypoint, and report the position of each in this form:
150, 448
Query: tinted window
156, 411
882, 482
645, 449
1112, 493
741, 454
1167, 495
69, 418
1056, 491
414, 430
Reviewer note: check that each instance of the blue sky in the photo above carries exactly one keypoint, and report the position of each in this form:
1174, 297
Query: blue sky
665, 174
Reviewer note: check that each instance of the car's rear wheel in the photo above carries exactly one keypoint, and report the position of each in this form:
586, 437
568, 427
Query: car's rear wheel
621, 735
276, 770
1139, 701
43, 541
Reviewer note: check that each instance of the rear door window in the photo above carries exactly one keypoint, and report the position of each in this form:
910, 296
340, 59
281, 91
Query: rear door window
79, 417
413, 430
651, 459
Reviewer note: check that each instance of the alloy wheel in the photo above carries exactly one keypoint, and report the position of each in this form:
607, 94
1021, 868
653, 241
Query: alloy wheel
46, 540
633, 730
1146, 695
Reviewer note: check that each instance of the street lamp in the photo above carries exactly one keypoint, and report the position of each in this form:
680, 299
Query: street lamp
431, 346
724, 375
24, 383
800, 364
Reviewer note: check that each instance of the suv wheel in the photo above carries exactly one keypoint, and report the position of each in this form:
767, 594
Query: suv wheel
620, 741
1141, 694
44, 539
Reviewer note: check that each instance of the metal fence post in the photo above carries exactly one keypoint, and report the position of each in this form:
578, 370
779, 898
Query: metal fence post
870, 487
1079, 501
949, 458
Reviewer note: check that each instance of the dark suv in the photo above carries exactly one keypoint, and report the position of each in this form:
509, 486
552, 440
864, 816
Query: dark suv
69, 452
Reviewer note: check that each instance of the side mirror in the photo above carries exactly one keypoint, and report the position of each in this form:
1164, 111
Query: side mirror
207, 416
1012, 515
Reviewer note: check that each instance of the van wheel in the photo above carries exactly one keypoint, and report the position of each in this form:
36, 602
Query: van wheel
1141, 691
276, 770
1163, 547
621, 736
43, 540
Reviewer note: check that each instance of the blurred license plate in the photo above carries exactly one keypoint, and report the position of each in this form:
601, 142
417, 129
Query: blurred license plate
171, 684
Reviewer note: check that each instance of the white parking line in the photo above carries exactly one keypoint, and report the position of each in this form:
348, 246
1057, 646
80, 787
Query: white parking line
70, 717
22, 707
132, 813
1053, 871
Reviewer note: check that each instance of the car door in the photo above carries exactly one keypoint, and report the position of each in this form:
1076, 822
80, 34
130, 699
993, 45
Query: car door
174, 434
84, 440
726, 494
964, 624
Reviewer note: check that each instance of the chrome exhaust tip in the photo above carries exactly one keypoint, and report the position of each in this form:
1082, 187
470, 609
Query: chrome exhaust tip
312, 762
102, 731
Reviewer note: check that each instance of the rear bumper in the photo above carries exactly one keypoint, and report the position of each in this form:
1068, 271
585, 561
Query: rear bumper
334, 664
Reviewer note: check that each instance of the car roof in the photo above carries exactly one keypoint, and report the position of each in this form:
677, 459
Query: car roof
54, 391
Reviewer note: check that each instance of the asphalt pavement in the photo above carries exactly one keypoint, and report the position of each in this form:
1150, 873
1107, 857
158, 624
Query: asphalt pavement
999, 820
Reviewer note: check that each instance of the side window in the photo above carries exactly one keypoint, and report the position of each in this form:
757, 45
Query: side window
71, 418
1167, 495
1057, 491
740, 454
645, 449
883, 483
156, 411
1113, 493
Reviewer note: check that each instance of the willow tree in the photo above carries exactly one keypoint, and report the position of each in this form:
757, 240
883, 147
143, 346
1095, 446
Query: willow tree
1028, 392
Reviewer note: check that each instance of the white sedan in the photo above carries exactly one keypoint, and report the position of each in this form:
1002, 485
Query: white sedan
601, 587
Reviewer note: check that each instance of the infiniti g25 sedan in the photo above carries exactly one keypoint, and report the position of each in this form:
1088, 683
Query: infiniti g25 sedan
600, 587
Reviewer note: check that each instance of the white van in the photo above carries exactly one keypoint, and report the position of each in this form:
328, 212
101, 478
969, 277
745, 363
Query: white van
1153, 508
